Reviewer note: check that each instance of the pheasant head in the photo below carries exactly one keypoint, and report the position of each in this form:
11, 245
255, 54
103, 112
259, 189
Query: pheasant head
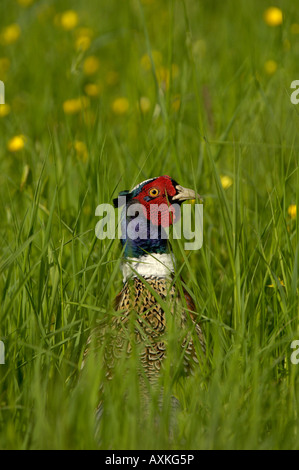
148, 210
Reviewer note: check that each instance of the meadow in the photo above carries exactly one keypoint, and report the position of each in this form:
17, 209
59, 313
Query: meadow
99, 96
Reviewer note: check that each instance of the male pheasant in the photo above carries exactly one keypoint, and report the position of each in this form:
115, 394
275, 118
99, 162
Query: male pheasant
150, 299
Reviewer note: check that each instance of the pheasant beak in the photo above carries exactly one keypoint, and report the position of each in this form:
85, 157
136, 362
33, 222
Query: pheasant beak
185, 194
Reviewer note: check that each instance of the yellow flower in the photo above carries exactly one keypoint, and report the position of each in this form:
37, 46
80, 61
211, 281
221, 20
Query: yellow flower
91, 65
83, 39
92, 89
82, 43
81, 150
120, 105
163, 75
69, 20
270, 67
292, 211
25, 3
10, 34
75, 105
4, 110
16, 143
176, 103
144, 104
226, 181
146, 61
280, 281
295, 28
273, 16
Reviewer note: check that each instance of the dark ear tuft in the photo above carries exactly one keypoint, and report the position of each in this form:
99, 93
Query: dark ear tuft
124, 195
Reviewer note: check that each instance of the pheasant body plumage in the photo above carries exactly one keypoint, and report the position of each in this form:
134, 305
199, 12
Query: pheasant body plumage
138, 296
150, 303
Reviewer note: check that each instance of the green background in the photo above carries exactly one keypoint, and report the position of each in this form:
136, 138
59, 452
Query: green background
198, 103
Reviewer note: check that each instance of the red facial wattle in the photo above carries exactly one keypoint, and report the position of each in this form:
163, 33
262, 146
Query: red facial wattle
154, 198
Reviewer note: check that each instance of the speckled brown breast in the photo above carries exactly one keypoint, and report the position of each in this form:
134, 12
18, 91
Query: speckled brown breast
144, 307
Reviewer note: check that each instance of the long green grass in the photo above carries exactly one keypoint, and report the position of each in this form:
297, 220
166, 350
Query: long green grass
198, 103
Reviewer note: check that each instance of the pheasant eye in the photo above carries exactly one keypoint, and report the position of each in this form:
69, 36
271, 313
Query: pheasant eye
154, 192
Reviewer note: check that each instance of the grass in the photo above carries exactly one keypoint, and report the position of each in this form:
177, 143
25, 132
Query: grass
210, 109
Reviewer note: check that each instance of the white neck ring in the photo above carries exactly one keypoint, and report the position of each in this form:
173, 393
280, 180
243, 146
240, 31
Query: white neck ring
157, 265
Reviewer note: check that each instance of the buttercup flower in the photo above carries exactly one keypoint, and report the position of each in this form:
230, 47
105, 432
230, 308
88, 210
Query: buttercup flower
82, 43
292, 211
4, 110
120, 105
92, 89
176, 103
91, 65
273, 16
163, 75
16, 143
280, 281
83, 39
10, 34
226, 181
270, 67
69, 20
146, 61
81, 150
75, 105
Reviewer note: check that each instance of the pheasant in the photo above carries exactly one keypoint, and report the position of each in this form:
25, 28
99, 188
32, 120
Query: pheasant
150, 296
